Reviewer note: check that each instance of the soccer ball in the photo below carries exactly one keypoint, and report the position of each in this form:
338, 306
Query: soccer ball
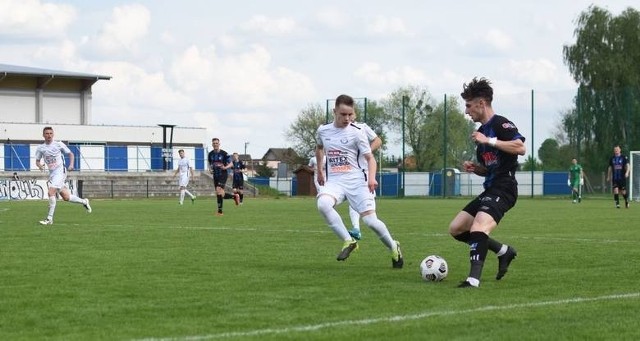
434, 268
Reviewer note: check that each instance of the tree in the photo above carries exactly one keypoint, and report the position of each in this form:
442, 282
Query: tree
604, 62
302, 131
263, 170
531, 164
424, 128
409, 109
458, 145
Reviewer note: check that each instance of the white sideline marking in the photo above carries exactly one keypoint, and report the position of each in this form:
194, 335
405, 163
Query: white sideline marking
397, 318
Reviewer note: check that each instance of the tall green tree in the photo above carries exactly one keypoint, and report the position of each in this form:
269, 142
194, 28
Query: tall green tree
409, 109
302, 131
604, 62
456, 142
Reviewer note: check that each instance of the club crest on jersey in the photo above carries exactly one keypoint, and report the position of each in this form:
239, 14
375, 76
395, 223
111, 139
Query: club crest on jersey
344, 141
489, 159
508, 125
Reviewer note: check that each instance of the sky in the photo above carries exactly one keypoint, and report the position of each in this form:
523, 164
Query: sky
245, 69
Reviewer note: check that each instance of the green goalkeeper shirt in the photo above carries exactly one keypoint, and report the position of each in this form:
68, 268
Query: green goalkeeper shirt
575, 171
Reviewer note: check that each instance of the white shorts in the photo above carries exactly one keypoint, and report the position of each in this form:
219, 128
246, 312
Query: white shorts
354, 191
184, 180
57, 177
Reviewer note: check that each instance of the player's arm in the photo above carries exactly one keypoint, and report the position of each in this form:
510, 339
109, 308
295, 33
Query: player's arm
626, 168
375, 144
38, 161
372, 168
71, 160
320, 164
474, 167
609, 173
515, 146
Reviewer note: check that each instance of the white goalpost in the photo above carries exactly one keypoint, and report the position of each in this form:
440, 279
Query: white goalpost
634, 184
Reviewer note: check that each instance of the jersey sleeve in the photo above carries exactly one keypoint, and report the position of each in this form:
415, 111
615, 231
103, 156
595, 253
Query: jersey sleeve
506, 130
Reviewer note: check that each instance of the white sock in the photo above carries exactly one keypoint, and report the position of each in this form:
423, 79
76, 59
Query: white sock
473, 281
503, 250
355, 218
52, 207
331, 216
182, 195
380, 229
76, 199
189, 193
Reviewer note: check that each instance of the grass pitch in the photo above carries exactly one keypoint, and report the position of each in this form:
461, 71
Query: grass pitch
153, 270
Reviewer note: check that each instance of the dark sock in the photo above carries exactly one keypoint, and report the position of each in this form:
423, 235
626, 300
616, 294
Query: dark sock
478, 247
219, 198
228, 196
241, 196
616, 197
493, 244
463, 237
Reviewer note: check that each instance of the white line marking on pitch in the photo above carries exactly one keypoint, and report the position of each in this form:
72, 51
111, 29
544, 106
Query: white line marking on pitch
314, 327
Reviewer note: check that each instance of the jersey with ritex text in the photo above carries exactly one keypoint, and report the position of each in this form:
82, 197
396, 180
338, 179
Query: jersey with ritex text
52, 154
501, 166
342, 147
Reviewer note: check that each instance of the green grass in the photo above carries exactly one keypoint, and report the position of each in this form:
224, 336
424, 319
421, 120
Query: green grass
150, 269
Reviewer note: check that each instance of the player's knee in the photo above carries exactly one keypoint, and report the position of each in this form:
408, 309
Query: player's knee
325, 203
370, 219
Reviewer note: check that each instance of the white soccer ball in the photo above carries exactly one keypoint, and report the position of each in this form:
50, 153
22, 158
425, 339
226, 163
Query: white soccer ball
434, 268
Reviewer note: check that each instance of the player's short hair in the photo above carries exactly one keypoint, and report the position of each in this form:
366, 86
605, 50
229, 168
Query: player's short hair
215, 139
344, 99
181, 150
477, 88
46, 128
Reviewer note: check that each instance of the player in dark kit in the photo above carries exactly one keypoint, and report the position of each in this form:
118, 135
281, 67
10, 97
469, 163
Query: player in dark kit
238, 178
219, 162
617, 173
498, 144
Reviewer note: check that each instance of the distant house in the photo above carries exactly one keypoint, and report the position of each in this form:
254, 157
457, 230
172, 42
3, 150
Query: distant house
277, 157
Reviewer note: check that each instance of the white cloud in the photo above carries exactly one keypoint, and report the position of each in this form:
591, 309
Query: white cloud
248, 79
333, 18
135, 95
533, 71
34, 19
500, 40
384, 25
270, 26
373, 74
126, 27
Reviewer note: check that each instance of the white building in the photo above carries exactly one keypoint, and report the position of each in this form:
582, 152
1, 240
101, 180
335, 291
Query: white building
32, 98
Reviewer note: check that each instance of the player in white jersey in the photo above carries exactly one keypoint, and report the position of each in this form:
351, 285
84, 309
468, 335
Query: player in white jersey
185, 171
374, 142
52, 153
342, 143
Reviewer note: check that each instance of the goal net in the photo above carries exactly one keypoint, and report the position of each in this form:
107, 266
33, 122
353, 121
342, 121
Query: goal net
634, 186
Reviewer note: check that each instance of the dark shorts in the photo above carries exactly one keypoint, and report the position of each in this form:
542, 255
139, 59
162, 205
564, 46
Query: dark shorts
238, 183
220, 180
619, 184
494, 202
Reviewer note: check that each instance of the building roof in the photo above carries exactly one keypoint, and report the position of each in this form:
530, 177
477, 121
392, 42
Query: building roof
281, 154
14, 70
